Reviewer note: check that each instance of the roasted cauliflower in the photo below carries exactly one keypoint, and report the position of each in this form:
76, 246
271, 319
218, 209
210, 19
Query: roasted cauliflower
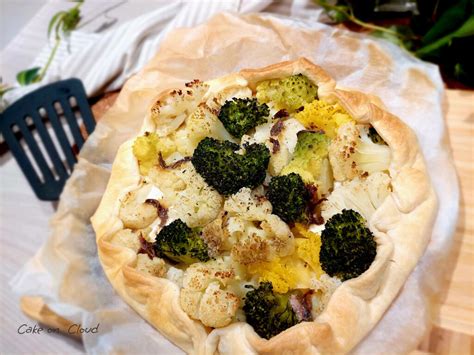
254, 233
208, 293
352, 153
136, 211
189, 197
361, 195
172, 109
155, 266
248, 205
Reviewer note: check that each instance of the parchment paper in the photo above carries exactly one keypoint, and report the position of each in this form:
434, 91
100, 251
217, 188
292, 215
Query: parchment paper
66, 271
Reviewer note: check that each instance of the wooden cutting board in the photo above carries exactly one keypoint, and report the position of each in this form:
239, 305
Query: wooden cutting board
453, 323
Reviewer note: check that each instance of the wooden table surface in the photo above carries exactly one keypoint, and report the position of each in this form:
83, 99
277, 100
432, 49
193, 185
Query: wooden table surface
453, 331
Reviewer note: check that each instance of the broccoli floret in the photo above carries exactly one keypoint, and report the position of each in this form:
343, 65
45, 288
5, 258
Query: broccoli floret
375, 137
267, 312
180, 243
289, 197
310, 160
228, 171
347, 245
240, 115
290, 93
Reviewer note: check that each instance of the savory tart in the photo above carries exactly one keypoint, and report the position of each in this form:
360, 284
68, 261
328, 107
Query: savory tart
265, 211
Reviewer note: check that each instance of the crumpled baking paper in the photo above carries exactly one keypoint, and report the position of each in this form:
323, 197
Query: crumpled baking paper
66, 271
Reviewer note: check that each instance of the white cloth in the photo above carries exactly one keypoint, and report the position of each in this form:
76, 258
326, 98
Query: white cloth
104, 61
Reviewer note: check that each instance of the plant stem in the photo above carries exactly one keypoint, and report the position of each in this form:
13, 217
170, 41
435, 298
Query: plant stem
349, 15
50, 60
373, 27
56, 46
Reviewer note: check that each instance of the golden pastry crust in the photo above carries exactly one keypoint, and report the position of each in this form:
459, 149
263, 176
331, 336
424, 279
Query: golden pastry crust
402, 226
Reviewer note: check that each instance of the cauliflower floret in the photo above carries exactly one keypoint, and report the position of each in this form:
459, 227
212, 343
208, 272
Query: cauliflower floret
275, 226
341, 149
203, 122
155, 266
272, 238
288, 137
223, 89
198, 204
261, 135
136, 211
199, 275
207, 293
352, 153
171, 110
190, 300
371, 157
251, 249
214, 235
138, 215
182, 120
217, 307
127, 238
279, 234
279, 160
236, 228
169, 181
189, 197
248, 205
361, 195
254, 234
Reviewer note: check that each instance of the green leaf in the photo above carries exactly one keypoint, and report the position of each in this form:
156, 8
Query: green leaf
449, 21
70, 20
64, 22
56, 18
466, 30
28, 76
